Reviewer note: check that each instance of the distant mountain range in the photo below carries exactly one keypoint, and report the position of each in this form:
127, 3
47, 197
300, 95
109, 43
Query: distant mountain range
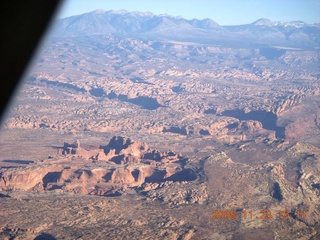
262, 32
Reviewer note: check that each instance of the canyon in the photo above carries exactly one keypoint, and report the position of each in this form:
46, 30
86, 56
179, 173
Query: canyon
142, 125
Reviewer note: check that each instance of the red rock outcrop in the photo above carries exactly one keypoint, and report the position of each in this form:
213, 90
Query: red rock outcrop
126, 163
121, 150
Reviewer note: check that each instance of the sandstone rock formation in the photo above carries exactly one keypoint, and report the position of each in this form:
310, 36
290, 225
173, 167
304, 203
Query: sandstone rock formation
246, 115
121, 150
121, 164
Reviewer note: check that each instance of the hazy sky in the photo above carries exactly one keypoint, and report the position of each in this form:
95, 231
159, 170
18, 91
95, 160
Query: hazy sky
224, 12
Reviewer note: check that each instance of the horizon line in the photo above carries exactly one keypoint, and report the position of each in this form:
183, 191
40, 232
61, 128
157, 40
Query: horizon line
179, 16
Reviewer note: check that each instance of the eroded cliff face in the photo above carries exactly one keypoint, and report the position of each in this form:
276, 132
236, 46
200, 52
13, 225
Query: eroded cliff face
121, 150
273, 175
186, 96
244, 115
108, 170
272, 180
27, 179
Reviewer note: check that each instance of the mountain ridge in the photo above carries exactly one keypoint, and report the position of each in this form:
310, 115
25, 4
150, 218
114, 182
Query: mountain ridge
148, 13
149, 26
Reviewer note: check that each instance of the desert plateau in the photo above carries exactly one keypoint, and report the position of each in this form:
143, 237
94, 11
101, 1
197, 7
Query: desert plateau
133, 125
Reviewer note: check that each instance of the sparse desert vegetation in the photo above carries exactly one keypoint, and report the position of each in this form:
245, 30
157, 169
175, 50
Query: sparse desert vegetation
141, 125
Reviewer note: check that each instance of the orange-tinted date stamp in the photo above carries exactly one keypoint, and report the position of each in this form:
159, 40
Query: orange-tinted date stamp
257, 214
